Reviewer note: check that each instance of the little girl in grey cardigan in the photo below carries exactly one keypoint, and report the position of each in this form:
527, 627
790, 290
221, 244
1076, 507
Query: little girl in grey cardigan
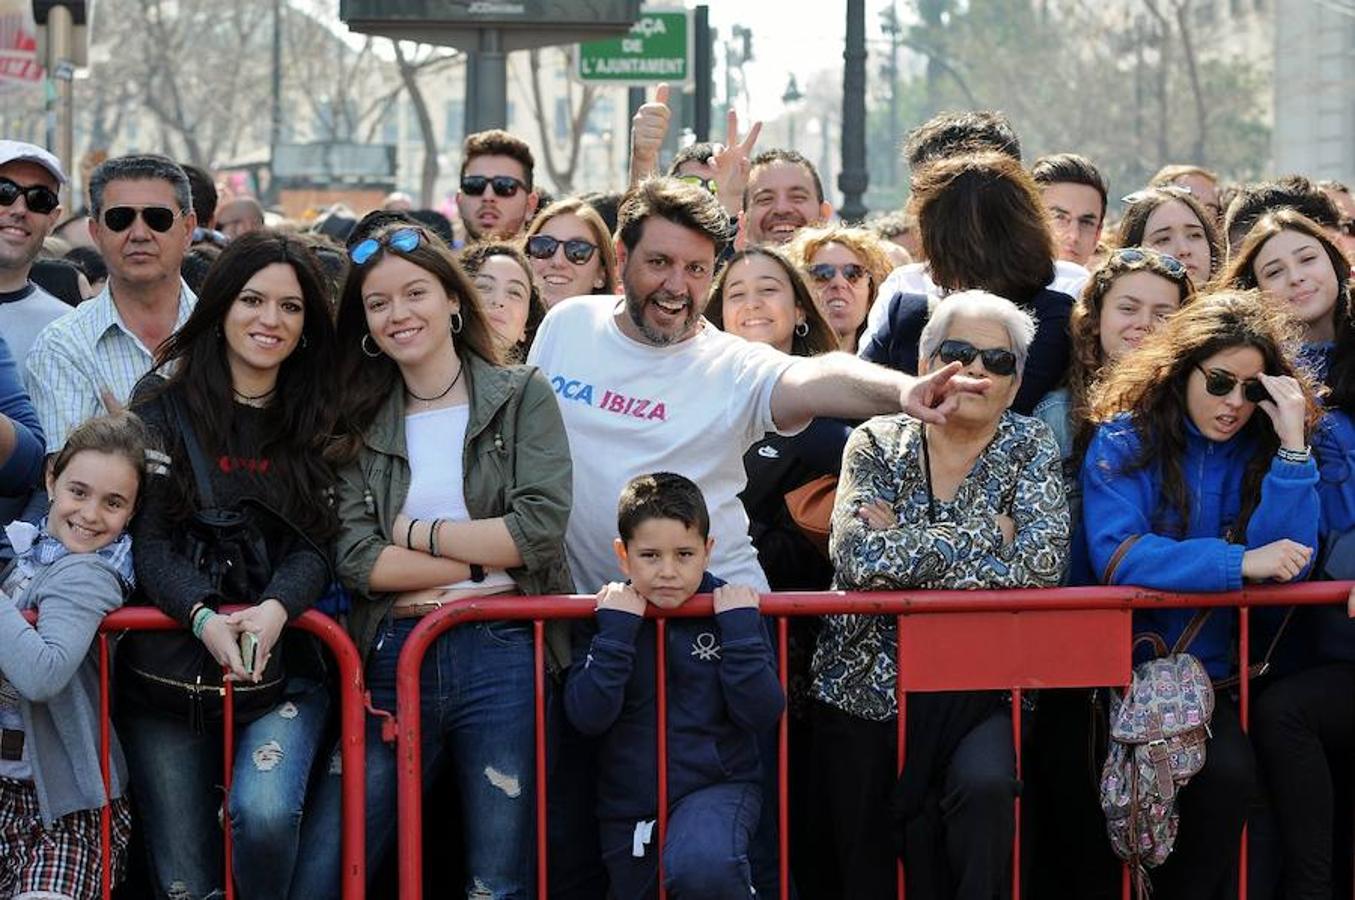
73, 570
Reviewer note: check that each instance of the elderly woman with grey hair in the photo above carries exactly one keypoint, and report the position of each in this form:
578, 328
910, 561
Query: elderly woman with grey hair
975, 503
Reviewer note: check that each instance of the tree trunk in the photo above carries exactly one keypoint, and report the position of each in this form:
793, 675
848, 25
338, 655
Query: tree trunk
1196, 88
410, 76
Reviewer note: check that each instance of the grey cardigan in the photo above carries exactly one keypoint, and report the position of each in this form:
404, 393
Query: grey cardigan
55, 668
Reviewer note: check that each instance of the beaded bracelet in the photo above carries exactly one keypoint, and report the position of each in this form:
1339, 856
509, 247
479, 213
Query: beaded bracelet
200, 620
1298, 457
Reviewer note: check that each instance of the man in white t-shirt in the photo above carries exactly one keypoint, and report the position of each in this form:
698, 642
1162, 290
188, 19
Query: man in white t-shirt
645, 384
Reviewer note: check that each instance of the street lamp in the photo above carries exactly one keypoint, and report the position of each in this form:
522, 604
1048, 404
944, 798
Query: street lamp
790, 96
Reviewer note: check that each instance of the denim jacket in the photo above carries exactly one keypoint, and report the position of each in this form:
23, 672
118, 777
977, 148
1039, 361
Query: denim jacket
516, 465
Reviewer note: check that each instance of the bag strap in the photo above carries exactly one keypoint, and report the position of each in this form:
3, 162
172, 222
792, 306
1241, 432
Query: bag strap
1261, 668
1192, 630
201, 472
927, 472
202, 478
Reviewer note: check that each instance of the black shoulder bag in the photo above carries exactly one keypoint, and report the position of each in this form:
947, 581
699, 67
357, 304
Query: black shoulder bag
174, 673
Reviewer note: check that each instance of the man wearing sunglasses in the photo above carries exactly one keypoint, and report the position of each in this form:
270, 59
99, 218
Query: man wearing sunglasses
142, 221
496, 199
30, 205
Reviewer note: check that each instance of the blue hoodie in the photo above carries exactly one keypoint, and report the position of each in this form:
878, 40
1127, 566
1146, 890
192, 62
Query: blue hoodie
722, 693
1120, 503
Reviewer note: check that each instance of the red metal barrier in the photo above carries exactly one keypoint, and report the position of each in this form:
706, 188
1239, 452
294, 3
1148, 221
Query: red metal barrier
352, 735
1008, 639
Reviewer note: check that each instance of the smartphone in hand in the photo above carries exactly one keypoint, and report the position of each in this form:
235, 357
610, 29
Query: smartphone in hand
249, 650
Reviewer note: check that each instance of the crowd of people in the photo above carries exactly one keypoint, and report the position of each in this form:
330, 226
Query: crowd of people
703, 385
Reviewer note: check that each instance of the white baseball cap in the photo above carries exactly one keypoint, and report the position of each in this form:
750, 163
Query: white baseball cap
14, 151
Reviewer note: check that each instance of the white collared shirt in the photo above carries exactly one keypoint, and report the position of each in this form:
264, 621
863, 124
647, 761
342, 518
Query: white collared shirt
78, 355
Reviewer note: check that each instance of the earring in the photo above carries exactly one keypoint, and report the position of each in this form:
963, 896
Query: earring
802, 330
371, 354
303, 342
457, 324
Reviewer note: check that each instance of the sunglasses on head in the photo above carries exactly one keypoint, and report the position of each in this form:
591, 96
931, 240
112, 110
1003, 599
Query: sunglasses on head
1221, 384
1173, 266
707, 183
825, 272
1179, 190
995, 359
577, 250
504, 185
39, 199
157, 218
404, 240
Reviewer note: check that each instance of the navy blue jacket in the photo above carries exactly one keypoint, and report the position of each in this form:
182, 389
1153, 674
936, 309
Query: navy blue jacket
722, 693
1326, 633
1120, 506
895, 344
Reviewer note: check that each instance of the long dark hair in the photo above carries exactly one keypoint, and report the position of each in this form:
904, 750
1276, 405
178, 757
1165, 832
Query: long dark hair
1150, 386
1088, 359
369, 381
1241, 273
298, 420
984, 226
818, 337
1144, 203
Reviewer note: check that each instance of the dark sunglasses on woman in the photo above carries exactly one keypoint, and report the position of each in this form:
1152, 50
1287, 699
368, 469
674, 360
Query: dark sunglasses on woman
1170, 264
824, 272
404, 240
504, 185
577, 250
39, 199
157, 218
1221, 384
995, 359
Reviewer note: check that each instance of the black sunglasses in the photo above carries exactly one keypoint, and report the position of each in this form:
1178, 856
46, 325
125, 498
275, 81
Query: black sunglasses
1221, 384
995, 359
504, 185
39, 199
404, 240
157, 218
824, 272
577, 250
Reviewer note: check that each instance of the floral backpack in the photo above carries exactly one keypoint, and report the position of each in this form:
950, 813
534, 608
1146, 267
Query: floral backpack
1158, 731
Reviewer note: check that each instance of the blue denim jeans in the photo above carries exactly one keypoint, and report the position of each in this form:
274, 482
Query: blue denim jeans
705, 856
176, 778
477, 717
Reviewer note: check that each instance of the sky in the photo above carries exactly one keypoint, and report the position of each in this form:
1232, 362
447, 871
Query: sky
800, 36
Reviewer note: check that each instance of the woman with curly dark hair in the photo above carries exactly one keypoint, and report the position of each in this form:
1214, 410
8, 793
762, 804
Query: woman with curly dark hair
1200, 478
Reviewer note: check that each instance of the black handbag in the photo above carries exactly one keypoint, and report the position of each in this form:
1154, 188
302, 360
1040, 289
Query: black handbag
173, 673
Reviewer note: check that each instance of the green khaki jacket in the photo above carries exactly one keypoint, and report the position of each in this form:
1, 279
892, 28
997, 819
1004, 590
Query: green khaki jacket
516, 465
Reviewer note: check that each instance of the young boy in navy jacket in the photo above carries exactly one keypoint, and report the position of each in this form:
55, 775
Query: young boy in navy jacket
722, 693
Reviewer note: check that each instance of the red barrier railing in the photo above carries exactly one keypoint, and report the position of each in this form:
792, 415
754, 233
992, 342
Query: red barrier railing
352, 741
947, 640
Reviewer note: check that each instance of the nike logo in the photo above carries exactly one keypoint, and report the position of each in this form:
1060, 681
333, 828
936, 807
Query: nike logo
768, 451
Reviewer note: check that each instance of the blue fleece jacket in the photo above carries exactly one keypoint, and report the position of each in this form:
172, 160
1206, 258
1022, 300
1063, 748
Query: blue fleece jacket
722, 693
1122, 504
1326, 633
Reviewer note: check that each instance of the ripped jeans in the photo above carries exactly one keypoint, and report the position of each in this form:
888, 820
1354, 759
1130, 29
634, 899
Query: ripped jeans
476, 696
176, 778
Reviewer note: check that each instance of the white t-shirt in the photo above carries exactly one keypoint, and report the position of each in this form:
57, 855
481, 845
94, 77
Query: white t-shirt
914, 278
631, 408
435, 441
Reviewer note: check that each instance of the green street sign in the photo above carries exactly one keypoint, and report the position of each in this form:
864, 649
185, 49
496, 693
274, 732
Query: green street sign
657, 48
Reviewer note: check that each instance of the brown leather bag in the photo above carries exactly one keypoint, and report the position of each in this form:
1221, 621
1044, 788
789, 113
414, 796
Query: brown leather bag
811, 508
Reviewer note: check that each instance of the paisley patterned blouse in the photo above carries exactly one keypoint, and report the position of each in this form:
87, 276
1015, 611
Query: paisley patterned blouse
1018, 474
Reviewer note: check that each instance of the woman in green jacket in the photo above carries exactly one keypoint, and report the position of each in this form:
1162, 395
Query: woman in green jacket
454, 482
